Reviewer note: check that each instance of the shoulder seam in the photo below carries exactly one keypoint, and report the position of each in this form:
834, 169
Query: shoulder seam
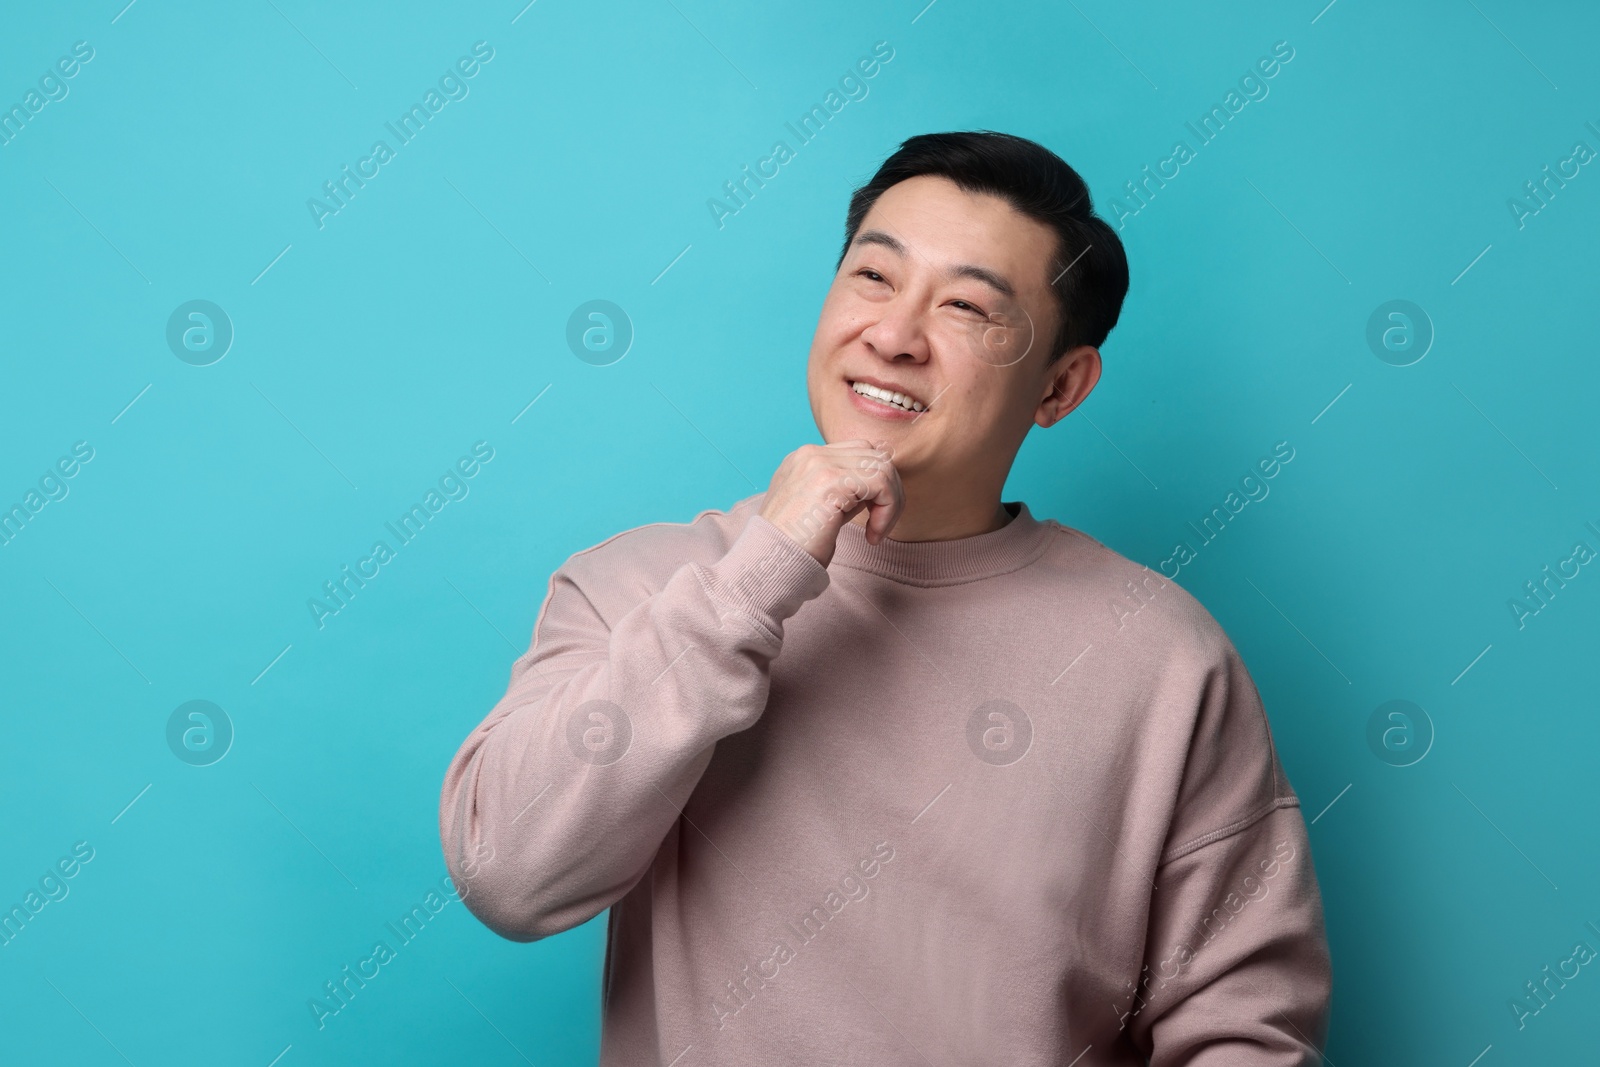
645, 526
550, 584
1072, 531
1289, 801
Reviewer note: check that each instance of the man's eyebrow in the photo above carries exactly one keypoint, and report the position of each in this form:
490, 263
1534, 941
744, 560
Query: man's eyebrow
986, 276
878, 237
993, 280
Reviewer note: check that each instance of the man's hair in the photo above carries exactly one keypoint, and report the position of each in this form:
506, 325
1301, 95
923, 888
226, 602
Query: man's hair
1039, 184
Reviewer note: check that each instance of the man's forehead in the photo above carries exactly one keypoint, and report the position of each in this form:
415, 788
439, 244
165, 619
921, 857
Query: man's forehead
994, 277
949, 226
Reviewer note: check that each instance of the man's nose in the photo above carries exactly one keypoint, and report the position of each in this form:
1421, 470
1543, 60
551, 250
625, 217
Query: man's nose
901, 330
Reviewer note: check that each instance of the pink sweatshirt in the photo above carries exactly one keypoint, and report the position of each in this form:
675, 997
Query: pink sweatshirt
1007, 799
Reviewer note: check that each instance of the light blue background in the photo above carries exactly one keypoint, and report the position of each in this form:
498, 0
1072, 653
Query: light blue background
429, 312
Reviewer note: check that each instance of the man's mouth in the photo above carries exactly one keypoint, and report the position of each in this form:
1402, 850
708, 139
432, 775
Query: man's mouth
889, 396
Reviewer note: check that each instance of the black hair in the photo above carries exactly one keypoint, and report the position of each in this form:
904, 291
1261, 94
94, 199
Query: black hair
1039, 184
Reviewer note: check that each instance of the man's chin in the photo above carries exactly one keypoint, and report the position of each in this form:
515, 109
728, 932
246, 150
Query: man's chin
904, 458
855, 427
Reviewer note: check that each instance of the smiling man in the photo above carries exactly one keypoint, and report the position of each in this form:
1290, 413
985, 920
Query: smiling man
875, 768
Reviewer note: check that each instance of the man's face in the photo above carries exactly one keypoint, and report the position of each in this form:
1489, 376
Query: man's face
943, 297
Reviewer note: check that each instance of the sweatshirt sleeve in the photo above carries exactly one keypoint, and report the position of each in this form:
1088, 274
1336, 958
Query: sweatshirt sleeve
1237, 971
555, 805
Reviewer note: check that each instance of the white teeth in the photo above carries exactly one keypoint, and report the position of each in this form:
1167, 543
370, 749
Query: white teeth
897, 399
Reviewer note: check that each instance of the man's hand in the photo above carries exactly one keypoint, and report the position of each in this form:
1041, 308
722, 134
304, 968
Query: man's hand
819, 488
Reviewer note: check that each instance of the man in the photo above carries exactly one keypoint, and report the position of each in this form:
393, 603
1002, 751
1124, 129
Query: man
873, 768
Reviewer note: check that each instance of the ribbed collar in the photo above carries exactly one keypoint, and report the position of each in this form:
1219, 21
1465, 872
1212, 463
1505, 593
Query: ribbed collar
964, 559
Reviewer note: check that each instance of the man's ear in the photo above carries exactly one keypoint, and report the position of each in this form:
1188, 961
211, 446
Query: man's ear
1067, 382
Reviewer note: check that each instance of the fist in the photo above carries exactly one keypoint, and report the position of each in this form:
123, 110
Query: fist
819, 488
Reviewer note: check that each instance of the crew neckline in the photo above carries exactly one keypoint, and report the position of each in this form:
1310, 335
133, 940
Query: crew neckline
962, 559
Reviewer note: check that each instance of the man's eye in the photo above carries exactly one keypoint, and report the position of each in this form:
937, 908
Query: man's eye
964, 306
870, 274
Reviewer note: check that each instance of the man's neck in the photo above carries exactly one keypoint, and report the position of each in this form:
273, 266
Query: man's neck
939, 518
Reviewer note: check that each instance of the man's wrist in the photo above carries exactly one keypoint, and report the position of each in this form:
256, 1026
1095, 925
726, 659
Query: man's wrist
767, 574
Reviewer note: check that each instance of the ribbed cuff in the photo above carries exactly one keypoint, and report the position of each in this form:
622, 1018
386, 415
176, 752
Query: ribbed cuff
766, 575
